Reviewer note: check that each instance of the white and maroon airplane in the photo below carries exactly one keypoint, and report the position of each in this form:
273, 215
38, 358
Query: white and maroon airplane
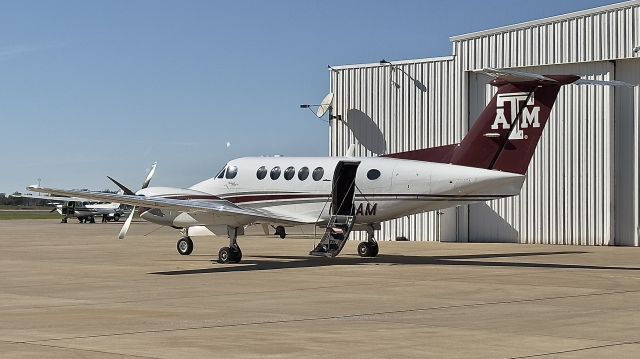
349, 193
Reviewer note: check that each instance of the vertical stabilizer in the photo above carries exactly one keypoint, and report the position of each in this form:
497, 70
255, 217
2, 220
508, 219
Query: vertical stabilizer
505, 135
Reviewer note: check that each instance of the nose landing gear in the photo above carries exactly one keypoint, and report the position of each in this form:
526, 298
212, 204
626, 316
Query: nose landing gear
185, 246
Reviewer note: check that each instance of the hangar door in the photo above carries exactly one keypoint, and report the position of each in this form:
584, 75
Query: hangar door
568, 195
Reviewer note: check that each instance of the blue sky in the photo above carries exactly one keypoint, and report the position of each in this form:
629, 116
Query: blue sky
96, 88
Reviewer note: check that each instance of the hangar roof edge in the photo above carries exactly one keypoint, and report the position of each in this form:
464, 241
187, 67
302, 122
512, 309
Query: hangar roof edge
546, 20
399, 62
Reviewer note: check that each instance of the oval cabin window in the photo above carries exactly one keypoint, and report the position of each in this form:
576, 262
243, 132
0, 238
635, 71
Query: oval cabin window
289, 173
318, 173
303, 173
275, 173
373, 174
261, 173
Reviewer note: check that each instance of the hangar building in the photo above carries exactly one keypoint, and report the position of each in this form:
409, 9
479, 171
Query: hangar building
582, 184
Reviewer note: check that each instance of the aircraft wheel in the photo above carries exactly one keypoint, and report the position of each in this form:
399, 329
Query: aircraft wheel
280, 231
92, 220
224, 255
366, 249
116, 217
236, 254
185, 246
229, 255
374, 249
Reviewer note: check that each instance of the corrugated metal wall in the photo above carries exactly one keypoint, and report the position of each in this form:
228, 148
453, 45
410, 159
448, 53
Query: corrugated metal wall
568, 197
412, 104
627, 132
606, 33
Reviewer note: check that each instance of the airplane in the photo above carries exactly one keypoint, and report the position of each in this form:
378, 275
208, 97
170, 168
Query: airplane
358, 193
81, 208
86, 210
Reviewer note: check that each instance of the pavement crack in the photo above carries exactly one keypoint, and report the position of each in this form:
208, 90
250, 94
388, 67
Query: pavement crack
335, 317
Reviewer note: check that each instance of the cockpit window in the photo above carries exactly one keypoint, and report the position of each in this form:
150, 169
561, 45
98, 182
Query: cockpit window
232, 171
221, 173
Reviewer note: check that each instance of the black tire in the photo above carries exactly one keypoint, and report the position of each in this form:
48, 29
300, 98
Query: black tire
374, 249
236, 255
280, 231
92, 220
224, 255
116, 217
185, 246
365, 249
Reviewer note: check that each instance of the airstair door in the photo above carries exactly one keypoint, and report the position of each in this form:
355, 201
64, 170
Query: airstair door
342, 217
343, 188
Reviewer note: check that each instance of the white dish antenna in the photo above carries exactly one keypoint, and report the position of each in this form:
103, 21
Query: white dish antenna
325, 105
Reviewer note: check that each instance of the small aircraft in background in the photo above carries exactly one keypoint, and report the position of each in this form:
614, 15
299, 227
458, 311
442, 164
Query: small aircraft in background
86, 210
83, 209
349, 193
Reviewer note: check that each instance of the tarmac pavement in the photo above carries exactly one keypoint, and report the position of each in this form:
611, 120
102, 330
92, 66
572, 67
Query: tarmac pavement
76, 291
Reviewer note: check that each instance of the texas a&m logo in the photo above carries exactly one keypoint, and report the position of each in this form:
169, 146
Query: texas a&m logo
529, 116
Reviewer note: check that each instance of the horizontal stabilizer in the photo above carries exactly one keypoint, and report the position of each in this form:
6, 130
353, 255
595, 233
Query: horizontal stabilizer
515, 76
602, 83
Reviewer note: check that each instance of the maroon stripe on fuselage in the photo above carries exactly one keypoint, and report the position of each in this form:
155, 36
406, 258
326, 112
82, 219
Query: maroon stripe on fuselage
273, 197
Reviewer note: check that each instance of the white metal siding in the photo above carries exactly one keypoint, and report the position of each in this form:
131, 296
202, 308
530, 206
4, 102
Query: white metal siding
627, 159
606, 34
409, 117
567, 197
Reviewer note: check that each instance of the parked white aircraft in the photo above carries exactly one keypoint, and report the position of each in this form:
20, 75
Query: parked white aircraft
81, 208
489, 163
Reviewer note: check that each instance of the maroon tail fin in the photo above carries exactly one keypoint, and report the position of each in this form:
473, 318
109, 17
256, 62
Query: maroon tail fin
505, 135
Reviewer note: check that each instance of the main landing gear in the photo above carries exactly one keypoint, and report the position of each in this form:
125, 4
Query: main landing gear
370, 247
231, 254
281, 232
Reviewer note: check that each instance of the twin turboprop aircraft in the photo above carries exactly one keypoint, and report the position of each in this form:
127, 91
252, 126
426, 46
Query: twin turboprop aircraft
348, 193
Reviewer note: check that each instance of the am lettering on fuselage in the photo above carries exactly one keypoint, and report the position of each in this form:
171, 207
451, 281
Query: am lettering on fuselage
365, 210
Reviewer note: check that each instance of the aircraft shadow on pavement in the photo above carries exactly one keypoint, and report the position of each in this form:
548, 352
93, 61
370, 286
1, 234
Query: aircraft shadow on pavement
259, 263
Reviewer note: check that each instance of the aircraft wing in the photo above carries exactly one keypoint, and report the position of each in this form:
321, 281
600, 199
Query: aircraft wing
218, 206
52, 198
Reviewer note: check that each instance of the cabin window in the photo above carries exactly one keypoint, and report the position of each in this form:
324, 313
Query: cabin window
303, 173
373, 174
318, 173
261, 173
275, 173
232, 171
289, 173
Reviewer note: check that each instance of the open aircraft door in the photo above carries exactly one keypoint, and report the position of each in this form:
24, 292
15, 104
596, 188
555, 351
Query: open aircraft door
343, 189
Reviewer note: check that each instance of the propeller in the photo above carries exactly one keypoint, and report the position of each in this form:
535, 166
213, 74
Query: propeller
145, 184
53, 210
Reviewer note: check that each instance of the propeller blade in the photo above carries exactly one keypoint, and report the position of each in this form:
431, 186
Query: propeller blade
127, 223
53, 210
152, 171
122, 187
